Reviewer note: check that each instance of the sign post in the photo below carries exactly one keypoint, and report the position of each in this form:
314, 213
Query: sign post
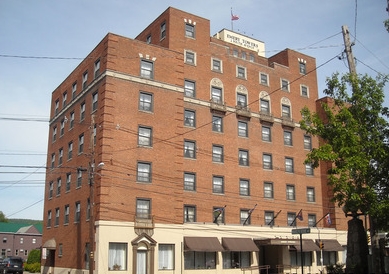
301, 231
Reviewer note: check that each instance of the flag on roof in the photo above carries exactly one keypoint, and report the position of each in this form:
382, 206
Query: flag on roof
234, 16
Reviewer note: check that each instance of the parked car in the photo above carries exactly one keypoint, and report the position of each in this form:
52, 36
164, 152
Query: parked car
12, 265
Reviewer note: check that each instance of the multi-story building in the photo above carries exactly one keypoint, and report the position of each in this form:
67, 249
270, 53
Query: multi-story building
178, 151
19, 239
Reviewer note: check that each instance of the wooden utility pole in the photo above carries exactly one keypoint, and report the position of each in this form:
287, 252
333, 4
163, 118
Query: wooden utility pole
348, 51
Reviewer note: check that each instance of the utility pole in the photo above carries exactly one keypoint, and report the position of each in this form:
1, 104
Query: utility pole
348, 51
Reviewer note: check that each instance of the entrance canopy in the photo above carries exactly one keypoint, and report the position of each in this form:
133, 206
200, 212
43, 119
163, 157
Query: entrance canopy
239, 244
308, 245
204, 244
331, 245
50, 244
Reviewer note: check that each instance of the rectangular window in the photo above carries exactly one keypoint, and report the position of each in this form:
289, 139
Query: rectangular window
243, 157
62, 127
189, 181
51, 190
199, 260
117, 256
218, 184
144, 136
269, 218
241, 72
310, 194
307, 142
66, 216
236, 259
244, 187
190, 118
241, 100
190, 88
216, 95
144, 172
74, 90
189, 214
235, 52
49, 218
242, 129
309, 169
71, 122
295, 258
53, 160
163, 30
284, 85
290, 193
79, 178
64, 99
147, 69
218, 215
264, 79
189, 30
190, 149
217, 123
244, 217
216, 65
243, 55
267, 161
190, 57
303, 68
84, 79
252, 57
59, 183
56, 221
289, 166
82, 111
81, 143
285, 111
291, 218
268, 191
94, 101
143, 208
304, 91
97, 69
145, 101
166, 256
288, 138
265, 106
311, 220
68, 181
148, 39
56, 107
266, 134
60, 156
54, 133
77, 215
217, 154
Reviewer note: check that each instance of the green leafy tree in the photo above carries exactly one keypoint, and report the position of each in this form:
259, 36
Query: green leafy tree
3, 219
354, 138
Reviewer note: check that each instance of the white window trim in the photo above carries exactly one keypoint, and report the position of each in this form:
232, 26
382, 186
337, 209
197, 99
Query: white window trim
221, 65
194, 57
237, 72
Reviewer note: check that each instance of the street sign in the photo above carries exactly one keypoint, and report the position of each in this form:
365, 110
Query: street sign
301, 230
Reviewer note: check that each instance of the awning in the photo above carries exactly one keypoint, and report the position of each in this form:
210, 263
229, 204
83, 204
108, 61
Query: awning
308, 245
50, 244
204, 244
331, 245
239, 244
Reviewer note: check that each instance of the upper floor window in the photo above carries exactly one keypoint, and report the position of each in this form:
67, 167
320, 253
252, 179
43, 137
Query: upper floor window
244, 187
56, 106
269, 218
289, 166
303, 67
189, 181
97, 68
163, 30
62, 127
51, 189
64, 99
145, 101
189, 214
235, 52
266, 133
307, 142
243, 55
49, 218
308, 169
60, 156
291, 218
189, 118
217, 95
243, 157
216, 65
290, 192
217, 154
84, 79
148, 39
70, 150
53, 160
311, 220
147, 69
241, 72
241, 99
143, 208
268, 191
94, 101
66, 215
264, 79
54, 133
77, 212
74, 90
189, 149
267, 161
190, 57
265, 106
189, 30
304, 91
288, 138
286, 111
68, 181
245, 217
251, 57
310, 194
79, 178
285, 85
190, 88
217, 123
144, 172
218, 184
81, 143
82, 111
56, 222
71, 122
144, 136
242, 129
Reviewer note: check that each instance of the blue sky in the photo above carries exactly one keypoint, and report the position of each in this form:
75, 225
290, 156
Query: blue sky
36, 30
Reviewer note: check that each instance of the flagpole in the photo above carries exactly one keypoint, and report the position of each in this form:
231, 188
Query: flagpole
250, 211
295, 218
232, 21
274, 218
320, 219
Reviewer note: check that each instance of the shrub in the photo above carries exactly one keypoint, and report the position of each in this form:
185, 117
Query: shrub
34, 256
32, 268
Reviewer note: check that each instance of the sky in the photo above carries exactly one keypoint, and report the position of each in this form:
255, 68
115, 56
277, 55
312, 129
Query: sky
42, 41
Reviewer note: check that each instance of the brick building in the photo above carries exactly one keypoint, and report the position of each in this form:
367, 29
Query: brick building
178, 151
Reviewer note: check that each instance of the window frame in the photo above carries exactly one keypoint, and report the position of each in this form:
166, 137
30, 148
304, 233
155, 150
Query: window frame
264, 106
217, 95
166, 255
96, 69
216, 65
84, 80
119, 250
189, 149
266, 136
145, 136
288, 138
216, 126
290, 192
244, 187
190, 88
309, 169
162, 30
146, 101
190, 213
243, 157
268, 190
241, 72
143, 208
81, 141
217, 157
147, 69
190, 57
289, 165
95, 100
143, 172
190, 30
285, 85
217, 184
269, 218
243, 131
286, 111
189, 181
304, 91
267, 161
311, 197
307, 142
189, 118
264, 79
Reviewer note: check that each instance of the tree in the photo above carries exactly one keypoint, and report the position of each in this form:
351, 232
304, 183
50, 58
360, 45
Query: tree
354, 136
3, 219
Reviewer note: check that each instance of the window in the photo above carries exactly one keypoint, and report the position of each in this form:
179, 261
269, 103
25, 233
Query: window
88, 209
84, 79
62, 127
265, 106
284, 85
189, 30
216, 65
190, 57
285, 111
199, 260
329, 257
245, 217
310, 194
242, 129
97, 68
307, 142
163, 30
189, 118
94, 101
147, 69
144, 136
81, 143
243, 157
291, 218
59, 183
53, 160
79, 178
71, 122
243, 55
190, 149
54, 133
304, 91
74, 90
216, 95
295, 259
290, 193
189, 181
303, 68
49, 218
189, 214
64, 98
217, 154
218, 215
264, 79
165, 256
217, 123
289, 166
77, 215
218, 184
190, 88
235, 52
68, 181
145, 101
148, 39
51, 189
288, 138
56, 107
143, 208
56, 221
252, 57
60, 156
268, 191
309, 169
241, 72
244, 187
266, 134
82, 111
311, 220
241, 99
144, 172
117, 256
236, 259
60, 250
267, 161
269, 218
